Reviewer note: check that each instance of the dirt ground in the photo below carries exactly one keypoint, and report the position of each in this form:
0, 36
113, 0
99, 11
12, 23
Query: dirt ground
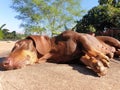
51, 76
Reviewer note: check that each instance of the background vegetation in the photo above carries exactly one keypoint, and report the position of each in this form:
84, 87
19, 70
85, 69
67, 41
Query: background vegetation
50, 16
5, 34
53, 16
105, 15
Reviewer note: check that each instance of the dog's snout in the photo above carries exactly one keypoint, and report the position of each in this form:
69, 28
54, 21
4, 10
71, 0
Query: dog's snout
7, 63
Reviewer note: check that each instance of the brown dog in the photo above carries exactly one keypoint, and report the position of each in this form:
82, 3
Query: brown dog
94, 52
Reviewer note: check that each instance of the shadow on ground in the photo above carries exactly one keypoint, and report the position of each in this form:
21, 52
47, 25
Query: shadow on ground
83, 69
78, 67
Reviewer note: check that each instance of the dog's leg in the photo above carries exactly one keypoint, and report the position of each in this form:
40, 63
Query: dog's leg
86, 41
104, 61
94, 64
44, 58
109, 40
98, 57
117, 53
96, 53
112, 42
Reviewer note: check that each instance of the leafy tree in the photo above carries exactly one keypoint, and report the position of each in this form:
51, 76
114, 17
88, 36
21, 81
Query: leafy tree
1, 35
100, 17
13, 34
1, 31
2, 26
41, 15
103, 2
91, 28
6, 33
114, 3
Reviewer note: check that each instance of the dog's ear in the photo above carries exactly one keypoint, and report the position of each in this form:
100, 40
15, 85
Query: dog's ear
41, 43
31, 45
71, 46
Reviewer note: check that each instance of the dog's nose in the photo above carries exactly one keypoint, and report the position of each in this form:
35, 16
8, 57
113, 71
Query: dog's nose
6, 63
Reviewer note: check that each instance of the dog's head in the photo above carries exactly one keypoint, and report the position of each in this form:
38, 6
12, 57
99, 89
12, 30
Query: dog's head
23, 53
26, 52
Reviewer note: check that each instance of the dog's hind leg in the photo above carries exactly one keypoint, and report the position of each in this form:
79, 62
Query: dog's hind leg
88, 46
109, 40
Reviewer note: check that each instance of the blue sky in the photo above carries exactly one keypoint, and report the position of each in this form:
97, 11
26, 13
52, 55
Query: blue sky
7, 15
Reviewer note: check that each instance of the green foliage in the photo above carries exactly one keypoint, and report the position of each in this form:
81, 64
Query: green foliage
2, 26
1, 35
46, 14
115, 3
91, 28
1, 32
5, 34
100, 17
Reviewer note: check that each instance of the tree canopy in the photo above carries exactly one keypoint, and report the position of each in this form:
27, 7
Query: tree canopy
1, 31
5, 34
105, 15
51, 15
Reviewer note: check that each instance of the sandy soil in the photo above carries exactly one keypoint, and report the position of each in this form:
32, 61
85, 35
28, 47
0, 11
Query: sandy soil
51, 76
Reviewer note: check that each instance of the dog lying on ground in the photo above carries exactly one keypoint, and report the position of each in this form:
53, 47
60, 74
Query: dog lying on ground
69, 46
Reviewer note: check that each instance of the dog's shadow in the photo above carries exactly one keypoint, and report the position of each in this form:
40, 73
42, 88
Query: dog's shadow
80, 67
1, 60
76, 66
83, 69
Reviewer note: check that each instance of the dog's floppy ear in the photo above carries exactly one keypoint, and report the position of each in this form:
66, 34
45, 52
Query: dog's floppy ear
42, 43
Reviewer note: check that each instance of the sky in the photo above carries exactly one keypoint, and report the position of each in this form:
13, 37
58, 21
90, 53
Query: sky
7, 14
